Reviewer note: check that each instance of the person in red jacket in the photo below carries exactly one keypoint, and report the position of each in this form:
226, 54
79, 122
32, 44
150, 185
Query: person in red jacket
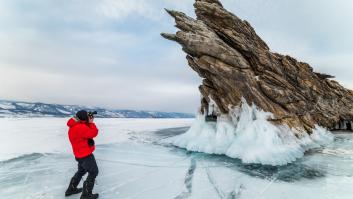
82, 130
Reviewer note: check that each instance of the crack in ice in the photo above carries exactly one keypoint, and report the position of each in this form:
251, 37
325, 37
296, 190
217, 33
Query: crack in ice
188, 181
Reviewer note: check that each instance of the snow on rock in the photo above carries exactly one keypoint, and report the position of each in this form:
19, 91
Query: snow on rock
247, 134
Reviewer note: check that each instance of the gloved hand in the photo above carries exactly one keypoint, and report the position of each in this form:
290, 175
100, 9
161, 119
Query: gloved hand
91, 142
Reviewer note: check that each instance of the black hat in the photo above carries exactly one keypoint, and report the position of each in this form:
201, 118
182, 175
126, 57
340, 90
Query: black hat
82, 115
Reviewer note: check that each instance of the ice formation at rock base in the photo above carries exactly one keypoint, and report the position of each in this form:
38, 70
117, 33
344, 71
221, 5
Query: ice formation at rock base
246, 133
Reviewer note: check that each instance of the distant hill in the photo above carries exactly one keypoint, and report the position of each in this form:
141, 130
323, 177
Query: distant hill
26, 109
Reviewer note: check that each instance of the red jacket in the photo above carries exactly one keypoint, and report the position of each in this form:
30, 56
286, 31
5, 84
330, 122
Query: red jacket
79, 133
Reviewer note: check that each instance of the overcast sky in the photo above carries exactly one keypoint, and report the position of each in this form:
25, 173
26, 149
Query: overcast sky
109, 53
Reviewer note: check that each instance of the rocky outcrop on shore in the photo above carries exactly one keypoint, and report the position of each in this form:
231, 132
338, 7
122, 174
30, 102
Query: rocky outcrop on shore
235, 63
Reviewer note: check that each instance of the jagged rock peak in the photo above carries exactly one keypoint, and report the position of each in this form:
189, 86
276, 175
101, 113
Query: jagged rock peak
210, 2
235, 63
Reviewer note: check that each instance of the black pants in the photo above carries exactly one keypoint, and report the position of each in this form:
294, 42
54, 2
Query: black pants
87, 164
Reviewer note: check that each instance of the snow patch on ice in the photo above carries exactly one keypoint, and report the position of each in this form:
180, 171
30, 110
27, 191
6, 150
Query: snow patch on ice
247, 134
63, 111
6, 105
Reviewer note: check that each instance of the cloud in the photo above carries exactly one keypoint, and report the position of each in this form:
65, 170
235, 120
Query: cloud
109, 53
111, 92
103, 53
124, 8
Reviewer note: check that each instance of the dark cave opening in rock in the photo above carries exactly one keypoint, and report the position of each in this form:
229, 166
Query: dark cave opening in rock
344, 125
349, 126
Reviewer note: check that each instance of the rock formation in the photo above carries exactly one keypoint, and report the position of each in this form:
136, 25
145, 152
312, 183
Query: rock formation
236, 63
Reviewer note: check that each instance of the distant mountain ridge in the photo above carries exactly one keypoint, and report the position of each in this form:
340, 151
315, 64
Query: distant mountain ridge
27, 109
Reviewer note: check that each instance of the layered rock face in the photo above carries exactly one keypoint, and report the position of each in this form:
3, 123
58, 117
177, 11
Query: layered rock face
236, 63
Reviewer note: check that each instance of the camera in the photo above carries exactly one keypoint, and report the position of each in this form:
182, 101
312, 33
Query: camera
90, 142
92, 113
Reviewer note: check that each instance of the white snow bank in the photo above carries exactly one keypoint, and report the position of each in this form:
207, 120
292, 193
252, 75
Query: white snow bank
248, 135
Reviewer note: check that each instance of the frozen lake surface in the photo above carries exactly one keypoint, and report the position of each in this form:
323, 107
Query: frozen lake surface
36, 162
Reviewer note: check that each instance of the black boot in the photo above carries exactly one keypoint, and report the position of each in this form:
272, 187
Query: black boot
72, 189
87, 190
